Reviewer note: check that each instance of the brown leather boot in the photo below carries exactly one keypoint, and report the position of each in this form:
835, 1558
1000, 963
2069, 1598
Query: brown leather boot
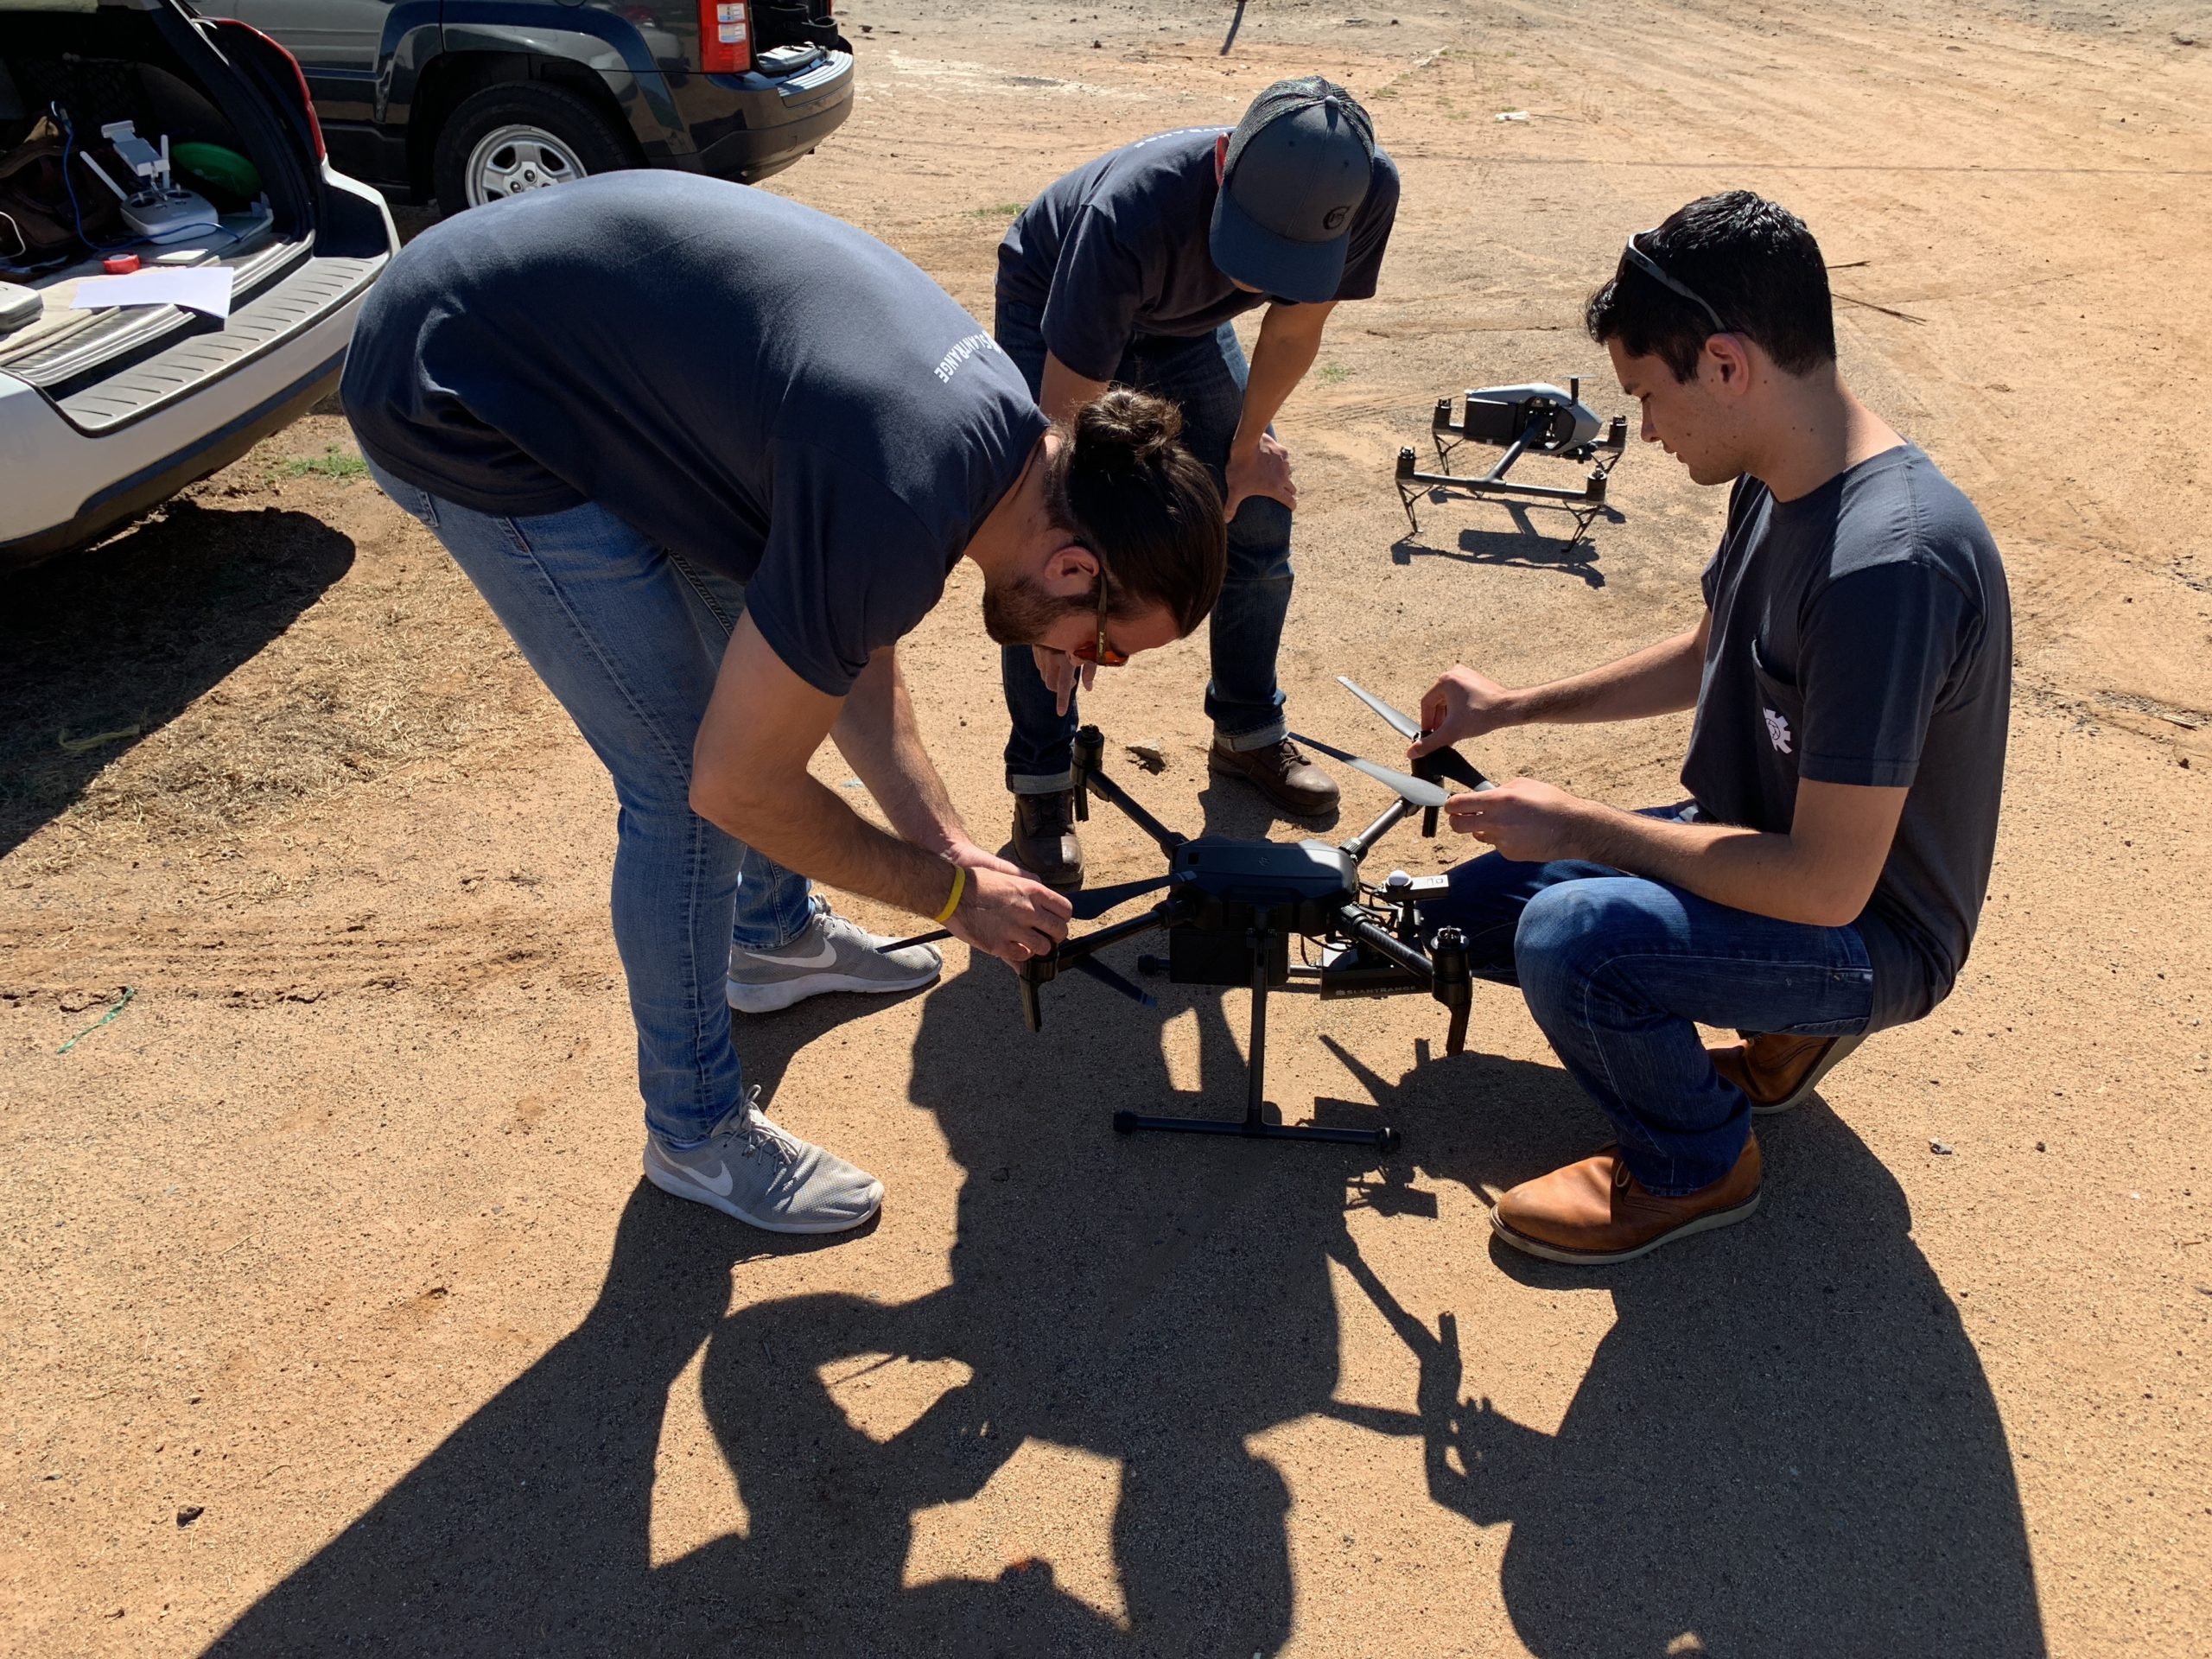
1280, 772
1596, 1212
1779, 1071
1044, 842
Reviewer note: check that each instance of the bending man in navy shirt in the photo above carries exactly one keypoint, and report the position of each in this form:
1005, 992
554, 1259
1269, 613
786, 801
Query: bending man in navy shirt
709, 455
1130, 270
1851, 676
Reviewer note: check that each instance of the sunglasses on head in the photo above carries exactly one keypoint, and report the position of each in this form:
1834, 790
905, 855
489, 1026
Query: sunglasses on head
1098, 651
1644, 263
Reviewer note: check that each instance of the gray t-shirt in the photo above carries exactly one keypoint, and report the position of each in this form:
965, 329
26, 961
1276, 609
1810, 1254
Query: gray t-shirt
1863, 634
1120, 247
757, 387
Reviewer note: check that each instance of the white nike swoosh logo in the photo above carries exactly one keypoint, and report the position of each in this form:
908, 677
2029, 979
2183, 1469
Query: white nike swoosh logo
722, 1182
821, 957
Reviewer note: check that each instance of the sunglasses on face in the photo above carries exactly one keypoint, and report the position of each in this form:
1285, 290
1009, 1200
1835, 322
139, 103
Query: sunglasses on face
1644, 263
1098, 651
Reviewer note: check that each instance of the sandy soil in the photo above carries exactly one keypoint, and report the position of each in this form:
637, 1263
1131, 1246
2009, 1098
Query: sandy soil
334, 1314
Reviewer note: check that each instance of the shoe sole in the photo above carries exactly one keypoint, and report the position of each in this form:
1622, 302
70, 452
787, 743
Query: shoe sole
1704, 1223
672, 1183
773, 999
1830, 1061
1269, 795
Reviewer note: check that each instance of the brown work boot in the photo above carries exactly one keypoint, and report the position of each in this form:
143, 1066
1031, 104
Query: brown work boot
1280, 772
1044, 842
1596, 1212
1779, 1071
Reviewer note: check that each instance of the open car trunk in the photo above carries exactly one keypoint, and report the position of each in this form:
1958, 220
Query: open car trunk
69, 68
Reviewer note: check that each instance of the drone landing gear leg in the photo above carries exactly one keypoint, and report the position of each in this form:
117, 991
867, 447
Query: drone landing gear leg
1254, 1124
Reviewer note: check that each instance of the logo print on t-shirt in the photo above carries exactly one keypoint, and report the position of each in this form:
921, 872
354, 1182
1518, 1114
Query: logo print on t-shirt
1777, 730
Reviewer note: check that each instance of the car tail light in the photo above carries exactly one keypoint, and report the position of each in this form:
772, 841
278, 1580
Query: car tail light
299, 80
725, 37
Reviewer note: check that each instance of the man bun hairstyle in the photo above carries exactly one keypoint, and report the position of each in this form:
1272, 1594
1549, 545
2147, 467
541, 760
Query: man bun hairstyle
1752, 260
1122, 483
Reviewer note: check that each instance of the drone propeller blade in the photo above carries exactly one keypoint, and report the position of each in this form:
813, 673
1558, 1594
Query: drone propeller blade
1112, 981
1405, 725
1418, 792
1094, 902
1450, 764
1090, 903
919, 938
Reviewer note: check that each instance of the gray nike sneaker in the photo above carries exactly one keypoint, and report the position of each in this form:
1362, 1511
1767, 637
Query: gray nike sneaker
765, 1176
832, 955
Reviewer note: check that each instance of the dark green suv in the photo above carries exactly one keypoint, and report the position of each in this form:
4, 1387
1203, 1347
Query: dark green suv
470, 100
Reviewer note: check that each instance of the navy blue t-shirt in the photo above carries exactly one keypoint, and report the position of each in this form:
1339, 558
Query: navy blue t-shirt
1863, 634
1119, 248
757, 387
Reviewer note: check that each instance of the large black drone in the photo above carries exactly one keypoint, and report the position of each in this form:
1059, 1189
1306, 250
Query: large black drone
1520, 420
1232, 907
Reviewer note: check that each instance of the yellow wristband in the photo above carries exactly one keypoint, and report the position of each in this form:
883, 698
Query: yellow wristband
959, 886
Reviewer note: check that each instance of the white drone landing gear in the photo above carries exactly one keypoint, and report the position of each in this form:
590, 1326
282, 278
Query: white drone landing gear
159, 210
1520, 420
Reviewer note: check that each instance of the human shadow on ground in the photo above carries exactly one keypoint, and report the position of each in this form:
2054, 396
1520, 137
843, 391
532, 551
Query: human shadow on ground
115, 641
1151, 1301
1525, 547
1785, 1445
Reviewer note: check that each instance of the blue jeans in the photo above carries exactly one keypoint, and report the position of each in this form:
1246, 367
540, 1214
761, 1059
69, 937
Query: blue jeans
1205, 375
1620, 971
629, 638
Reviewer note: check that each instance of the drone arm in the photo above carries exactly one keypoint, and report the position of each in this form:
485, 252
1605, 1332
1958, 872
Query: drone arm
1073, 953
1070, 950
1357, 847
1089, 744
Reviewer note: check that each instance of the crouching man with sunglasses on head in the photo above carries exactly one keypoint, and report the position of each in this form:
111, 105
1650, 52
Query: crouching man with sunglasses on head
709, 454
1850, 677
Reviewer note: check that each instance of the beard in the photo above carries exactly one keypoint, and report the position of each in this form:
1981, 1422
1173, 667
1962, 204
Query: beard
1021, 612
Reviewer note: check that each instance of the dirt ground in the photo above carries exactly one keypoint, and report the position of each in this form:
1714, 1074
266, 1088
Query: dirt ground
335, 1314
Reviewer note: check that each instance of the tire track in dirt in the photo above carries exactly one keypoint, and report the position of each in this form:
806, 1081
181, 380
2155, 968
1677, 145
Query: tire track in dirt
258, 964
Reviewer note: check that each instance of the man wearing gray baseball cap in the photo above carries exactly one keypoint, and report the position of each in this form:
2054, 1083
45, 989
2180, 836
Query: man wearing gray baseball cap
1130, 269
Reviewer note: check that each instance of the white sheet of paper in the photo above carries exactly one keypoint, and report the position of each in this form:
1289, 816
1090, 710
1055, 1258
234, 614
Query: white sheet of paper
201, 288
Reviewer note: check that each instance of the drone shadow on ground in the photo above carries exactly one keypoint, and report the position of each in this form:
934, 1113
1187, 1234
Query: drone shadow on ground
1785, 1444
1525, 547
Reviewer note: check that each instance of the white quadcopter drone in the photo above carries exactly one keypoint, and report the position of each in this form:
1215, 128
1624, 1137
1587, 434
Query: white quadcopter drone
1540, 419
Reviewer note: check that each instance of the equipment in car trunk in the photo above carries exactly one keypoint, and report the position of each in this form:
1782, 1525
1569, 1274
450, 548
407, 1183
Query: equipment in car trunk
39, 229
161, 210
18, 305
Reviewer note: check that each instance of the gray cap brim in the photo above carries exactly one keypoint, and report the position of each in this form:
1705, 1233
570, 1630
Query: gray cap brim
1308, 272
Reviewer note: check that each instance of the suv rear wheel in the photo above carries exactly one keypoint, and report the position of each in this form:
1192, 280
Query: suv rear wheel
505, 140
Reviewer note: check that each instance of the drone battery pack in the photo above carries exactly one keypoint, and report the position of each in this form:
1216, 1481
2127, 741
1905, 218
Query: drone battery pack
1196, 956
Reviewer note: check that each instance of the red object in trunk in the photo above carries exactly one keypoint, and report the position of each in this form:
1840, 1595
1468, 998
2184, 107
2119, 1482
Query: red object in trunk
725, 37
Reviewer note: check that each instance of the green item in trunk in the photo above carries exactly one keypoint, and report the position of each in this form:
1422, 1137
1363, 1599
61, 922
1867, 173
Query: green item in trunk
224, 168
